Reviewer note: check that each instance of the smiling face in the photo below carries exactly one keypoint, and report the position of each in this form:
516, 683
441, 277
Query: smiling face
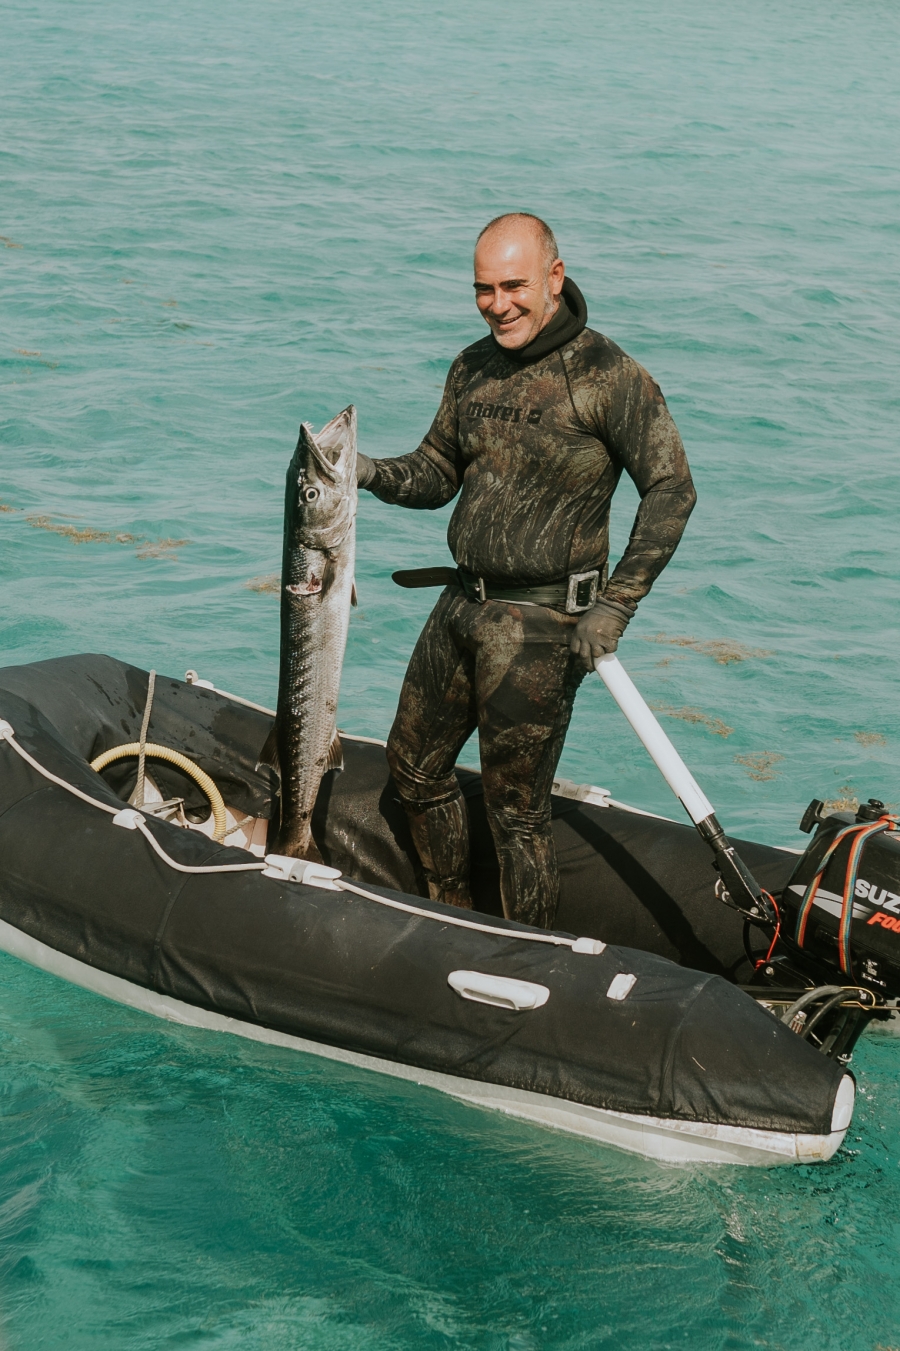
517, 287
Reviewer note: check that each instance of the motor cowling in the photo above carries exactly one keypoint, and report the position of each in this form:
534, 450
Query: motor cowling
874, 932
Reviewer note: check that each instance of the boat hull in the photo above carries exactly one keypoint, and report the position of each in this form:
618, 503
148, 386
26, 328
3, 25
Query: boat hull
667, 1141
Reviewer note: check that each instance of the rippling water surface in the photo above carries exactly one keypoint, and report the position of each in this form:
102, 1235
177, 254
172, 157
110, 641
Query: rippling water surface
220, 219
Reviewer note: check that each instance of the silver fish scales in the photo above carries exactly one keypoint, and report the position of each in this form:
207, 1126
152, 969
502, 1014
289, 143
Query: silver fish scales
317, 590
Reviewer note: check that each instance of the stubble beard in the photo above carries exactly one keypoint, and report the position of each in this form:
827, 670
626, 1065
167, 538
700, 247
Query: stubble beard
548, 312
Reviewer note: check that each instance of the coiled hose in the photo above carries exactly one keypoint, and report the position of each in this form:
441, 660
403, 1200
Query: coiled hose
193, 771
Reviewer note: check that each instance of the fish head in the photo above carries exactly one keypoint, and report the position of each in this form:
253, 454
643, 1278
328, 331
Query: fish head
321, 483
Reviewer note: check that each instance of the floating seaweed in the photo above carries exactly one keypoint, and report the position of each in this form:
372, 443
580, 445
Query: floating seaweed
694, 715
145, 548
5, 507
78, 536
161, 548
723, 651
10, 243
27, 352
269, 583
759, 764
847, 802
870, 738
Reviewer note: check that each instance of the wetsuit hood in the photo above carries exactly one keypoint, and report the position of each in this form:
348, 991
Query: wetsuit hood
566, 324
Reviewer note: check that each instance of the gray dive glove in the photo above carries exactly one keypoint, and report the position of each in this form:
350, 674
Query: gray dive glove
599, 629
365, 470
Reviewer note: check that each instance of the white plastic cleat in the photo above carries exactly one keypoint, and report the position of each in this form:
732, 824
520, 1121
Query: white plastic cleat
127, 818
582, 792
592, 946
620, 986
285, 869
192, 678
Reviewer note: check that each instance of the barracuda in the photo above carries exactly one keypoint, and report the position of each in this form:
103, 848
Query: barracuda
317, 590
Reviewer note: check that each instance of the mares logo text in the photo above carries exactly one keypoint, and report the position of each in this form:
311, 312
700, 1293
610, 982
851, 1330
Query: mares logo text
503, 412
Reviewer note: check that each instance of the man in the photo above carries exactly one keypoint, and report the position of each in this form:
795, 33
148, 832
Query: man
536, 424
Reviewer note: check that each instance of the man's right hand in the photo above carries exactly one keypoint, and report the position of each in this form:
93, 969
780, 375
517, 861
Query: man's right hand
365, 470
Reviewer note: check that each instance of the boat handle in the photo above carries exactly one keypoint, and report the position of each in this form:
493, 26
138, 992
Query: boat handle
502, 991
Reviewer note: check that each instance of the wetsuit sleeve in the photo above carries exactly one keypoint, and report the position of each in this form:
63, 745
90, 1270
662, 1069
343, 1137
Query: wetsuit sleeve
432, 475
641, 435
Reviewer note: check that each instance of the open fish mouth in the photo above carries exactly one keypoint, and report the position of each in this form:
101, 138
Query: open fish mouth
322, 484
334, 446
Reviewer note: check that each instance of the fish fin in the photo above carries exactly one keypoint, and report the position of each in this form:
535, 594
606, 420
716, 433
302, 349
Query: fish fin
269, 753
354, 596
335, 758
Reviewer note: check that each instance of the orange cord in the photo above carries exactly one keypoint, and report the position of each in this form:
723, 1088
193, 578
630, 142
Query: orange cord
762, 961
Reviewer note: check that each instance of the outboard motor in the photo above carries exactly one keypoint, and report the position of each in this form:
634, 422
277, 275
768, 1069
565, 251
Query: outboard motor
841, 904
833, 963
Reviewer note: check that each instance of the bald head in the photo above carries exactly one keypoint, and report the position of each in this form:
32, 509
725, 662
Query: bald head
516, 224
518, 277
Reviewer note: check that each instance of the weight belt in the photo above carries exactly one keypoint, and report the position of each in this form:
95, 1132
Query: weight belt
573, 595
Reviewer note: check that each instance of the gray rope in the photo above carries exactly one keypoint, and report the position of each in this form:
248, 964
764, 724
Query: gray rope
139, 786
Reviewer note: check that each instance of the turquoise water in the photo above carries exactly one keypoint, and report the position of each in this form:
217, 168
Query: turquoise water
219, 220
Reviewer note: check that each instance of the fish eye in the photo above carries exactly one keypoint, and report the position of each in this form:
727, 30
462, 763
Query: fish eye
310, 494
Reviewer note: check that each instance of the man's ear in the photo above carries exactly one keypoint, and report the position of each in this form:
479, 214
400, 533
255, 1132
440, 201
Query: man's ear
557, 276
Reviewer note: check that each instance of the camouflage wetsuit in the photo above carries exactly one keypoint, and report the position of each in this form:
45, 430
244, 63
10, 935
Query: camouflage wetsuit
534, 441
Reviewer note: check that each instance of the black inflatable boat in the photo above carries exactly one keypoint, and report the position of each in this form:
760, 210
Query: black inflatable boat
625, 1024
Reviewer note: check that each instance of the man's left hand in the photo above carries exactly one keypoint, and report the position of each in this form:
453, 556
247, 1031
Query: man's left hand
599, 629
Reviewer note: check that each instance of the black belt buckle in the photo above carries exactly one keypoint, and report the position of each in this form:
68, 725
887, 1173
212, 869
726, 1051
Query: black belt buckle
582, 591
480, 591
